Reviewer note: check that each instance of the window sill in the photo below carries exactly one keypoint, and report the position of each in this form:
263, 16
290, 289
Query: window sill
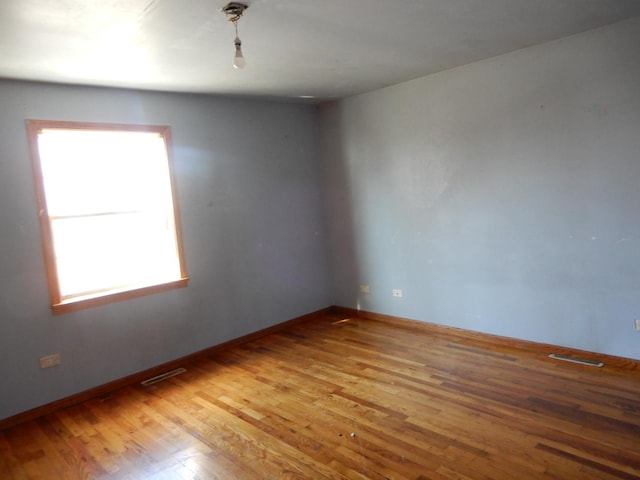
89, 301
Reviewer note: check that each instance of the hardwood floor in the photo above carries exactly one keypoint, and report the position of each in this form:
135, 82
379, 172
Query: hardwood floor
337, 398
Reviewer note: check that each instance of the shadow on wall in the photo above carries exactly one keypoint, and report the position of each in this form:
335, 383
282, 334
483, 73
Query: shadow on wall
339, 208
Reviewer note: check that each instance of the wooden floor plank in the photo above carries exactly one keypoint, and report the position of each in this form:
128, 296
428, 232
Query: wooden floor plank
348, 398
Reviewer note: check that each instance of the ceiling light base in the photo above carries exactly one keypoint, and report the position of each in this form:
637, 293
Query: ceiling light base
234, 10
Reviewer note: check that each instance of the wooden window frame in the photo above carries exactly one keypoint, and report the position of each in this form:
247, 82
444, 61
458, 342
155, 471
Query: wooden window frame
59, 304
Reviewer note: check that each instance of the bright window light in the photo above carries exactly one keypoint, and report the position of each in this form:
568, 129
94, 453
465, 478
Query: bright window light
108, 211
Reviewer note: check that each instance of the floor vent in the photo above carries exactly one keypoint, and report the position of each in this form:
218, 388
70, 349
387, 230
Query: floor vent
581, 361
164, 376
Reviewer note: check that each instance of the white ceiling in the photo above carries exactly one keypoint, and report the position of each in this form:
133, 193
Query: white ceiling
321, 48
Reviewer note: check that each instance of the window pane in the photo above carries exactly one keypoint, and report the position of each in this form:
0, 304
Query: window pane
114, 251
87, 172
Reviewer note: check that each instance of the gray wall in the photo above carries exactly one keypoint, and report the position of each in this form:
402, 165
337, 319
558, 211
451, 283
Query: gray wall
250, 196
502, 196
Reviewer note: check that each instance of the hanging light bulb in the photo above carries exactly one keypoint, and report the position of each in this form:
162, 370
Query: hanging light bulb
236, 10
238, 60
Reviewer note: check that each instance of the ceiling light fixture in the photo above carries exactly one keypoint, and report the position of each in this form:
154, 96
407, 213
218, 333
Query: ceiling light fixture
234, 11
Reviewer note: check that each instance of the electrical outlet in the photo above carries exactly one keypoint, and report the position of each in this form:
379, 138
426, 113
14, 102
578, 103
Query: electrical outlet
50, 361
365, 289
396, 292
638, 324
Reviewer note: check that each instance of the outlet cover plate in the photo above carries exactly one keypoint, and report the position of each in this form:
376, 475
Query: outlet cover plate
50, 361
397, 292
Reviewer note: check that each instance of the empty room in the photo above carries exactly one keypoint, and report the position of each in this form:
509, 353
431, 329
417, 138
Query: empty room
293, 239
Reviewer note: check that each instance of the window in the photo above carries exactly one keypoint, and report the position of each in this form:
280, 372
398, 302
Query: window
108, 211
